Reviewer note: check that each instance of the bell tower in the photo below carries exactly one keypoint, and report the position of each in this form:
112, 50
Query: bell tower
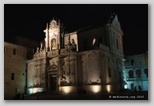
52, 36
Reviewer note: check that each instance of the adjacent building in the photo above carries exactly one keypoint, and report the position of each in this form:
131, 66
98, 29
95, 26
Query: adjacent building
90, 58
15, 67
136, 72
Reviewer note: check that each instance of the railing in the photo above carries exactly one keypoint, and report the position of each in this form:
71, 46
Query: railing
135, 66
137, 79
131, 79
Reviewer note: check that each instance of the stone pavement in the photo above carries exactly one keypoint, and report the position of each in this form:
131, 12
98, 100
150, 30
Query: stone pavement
112, 96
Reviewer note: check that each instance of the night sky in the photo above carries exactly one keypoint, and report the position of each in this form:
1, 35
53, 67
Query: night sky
29, 20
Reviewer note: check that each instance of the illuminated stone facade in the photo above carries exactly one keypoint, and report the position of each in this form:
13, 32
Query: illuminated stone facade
14, 69
90, 59
136, 72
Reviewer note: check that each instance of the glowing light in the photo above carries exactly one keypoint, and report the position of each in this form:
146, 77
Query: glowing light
34, 90
30, 91
108, 88
125, 86
96, 88
94, 40
66, 89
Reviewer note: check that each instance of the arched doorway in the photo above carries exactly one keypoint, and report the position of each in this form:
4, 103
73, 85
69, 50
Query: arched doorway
131, 74
52, 78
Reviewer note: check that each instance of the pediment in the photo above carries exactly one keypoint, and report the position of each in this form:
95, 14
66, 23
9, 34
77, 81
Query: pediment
52, 68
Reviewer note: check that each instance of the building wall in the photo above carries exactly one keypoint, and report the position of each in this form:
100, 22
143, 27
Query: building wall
14, 64
136, 72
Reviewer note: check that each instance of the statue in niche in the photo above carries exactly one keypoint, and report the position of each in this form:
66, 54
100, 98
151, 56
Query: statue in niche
42, 45
69, 45
37, 50
36, 81
63, 70
73, 45
68, 48
63, 76
53, 43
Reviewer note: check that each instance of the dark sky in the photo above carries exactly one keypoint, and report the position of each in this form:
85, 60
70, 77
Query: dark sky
30, 20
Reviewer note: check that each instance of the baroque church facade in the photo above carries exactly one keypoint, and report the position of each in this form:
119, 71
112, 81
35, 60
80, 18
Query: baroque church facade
90, 58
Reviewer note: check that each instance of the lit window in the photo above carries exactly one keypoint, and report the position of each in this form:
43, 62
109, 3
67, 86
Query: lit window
94, 41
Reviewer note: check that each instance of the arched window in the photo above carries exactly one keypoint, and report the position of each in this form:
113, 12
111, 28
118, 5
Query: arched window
138, 73
131, 74
146, 72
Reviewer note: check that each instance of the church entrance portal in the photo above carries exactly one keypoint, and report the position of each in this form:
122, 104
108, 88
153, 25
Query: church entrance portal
52, 78
53, 83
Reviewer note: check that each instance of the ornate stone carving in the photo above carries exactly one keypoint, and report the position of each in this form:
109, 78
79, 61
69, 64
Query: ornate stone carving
53, 53
53, 24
